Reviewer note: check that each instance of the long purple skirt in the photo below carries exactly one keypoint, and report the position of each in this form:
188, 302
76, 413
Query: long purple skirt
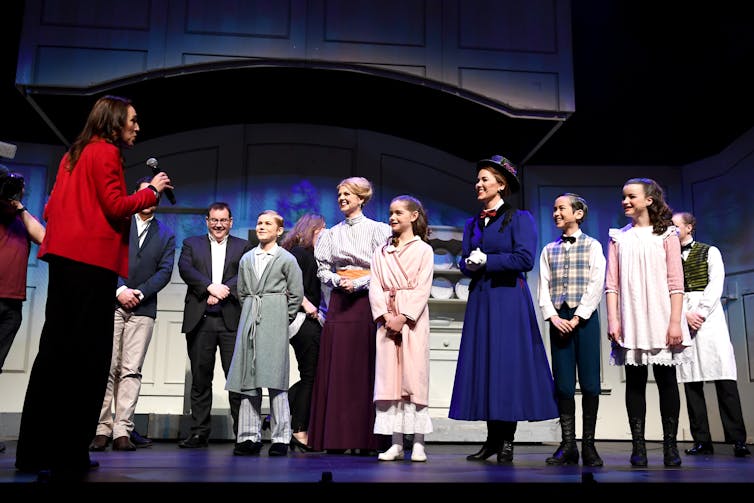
342, 414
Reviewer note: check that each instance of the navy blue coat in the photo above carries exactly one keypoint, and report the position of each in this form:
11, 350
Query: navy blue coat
502, 373
151, 266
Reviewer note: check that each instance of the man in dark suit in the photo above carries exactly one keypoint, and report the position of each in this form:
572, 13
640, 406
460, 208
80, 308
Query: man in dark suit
209, 266
151, 253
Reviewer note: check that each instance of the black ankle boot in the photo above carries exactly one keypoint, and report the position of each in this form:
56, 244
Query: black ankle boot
589, 406
492, 445
485, 452
567, 453
506, 452
639, 451
670, 454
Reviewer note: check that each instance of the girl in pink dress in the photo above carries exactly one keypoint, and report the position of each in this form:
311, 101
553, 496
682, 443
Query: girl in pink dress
399, 294
644, 294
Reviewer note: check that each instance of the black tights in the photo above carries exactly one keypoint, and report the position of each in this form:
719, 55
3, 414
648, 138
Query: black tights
636, 390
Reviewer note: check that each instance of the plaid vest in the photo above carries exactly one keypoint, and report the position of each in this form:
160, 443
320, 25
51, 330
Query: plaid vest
569, 270
695, 270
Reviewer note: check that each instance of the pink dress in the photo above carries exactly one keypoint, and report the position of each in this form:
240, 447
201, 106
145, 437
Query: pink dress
644, 269
401, 281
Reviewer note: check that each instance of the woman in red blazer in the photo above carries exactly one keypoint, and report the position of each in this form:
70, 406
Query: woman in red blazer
86, 247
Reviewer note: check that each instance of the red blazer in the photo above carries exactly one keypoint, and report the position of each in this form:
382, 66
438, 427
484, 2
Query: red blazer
88, 213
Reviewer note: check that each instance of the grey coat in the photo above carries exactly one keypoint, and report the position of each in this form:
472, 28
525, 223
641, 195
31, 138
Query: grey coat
268, 305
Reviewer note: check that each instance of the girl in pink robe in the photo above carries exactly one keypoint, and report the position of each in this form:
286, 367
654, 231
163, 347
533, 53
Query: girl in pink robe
398, 295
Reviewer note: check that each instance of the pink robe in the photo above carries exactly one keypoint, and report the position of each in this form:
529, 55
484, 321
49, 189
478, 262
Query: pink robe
401, 280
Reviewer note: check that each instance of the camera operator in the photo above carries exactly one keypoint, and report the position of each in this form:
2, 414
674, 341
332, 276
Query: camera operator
18, 228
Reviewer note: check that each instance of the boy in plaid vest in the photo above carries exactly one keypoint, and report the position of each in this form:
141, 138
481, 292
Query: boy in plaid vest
571, 282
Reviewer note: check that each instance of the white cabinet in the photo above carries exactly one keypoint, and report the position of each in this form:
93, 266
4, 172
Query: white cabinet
446, 312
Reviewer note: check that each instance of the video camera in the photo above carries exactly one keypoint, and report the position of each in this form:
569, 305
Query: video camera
11, 184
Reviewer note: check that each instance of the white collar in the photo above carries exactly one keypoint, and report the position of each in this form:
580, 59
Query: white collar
271, 251
355, 220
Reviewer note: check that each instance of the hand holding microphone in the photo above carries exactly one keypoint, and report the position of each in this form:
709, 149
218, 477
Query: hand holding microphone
161, 181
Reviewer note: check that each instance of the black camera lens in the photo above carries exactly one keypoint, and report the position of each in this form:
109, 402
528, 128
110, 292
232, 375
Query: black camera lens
12, 186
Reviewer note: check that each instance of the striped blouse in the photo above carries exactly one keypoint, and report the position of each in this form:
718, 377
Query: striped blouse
349, 244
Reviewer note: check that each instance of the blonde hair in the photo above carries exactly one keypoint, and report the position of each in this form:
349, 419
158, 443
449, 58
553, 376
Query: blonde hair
275, 215
358, 185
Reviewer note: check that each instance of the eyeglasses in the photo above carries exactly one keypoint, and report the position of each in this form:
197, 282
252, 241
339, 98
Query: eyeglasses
215, 221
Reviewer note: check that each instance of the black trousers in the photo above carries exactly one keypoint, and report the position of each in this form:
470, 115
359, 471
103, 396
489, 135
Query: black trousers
729, 404
306, 346
69, 374
202, 344
10, 322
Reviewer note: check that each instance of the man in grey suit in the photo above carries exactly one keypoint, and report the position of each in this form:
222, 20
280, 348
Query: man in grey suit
151, 253
209, 266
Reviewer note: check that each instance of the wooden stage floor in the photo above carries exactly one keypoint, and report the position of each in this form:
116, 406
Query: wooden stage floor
166, 471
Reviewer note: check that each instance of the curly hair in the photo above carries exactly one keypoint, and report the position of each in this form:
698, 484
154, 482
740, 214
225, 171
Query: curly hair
660, 214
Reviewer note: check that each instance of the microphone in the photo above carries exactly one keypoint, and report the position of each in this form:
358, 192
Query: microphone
152, 164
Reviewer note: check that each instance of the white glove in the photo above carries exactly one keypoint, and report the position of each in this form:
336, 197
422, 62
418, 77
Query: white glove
477, 256
472, 266
476, 259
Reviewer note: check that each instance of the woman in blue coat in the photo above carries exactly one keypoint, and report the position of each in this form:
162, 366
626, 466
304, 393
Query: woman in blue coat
503, 375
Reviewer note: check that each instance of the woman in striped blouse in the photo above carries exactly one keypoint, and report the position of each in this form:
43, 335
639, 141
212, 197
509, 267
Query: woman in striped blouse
343, 413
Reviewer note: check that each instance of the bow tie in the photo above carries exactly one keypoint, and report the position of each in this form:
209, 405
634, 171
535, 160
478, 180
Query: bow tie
488, 213
568, 239
686, 246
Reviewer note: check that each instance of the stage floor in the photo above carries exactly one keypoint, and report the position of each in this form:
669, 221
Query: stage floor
169, 470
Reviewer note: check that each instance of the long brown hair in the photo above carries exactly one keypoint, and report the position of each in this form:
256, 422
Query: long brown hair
660, 214
107, 119
302, 233
420, 226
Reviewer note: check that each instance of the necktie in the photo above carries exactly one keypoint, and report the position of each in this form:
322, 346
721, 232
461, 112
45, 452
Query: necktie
568, 239
142, 234
488, 213
686, 246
